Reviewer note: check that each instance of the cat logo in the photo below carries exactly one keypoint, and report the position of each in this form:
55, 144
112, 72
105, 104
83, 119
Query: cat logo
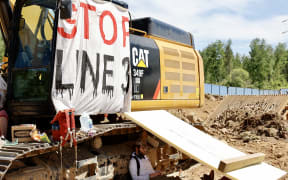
140, 57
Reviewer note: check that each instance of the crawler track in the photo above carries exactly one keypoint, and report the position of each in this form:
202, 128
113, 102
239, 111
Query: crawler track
8, 154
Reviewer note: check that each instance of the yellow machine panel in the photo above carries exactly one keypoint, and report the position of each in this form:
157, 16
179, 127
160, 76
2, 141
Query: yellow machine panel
179, 71
33, 15
181, 78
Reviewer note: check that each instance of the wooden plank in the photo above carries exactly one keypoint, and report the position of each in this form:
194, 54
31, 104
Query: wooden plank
232, 164
198, 145
153, 142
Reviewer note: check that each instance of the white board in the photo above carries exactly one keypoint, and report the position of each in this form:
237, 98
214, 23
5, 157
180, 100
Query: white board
198, 145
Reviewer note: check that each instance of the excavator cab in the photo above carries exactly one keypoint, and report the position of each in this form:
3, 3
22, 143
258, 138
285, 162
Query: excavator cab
30, 46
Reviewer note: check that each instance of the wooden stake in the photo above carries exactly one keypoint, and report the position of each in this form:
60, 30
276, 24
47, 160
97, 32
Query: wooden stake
240, 162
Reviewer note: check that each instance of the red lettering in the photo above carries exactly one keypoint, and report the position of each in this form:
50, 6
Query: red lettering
114, 37
74, 8
61, 30
86, 7
125, 33
71, 21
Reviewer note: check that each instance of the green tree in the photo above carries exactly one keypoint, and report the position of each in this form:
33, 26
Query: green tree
237, 62
263, 68
245, 62
279, 73
260, 64
285, 69
213, 57
238, 78
228, 58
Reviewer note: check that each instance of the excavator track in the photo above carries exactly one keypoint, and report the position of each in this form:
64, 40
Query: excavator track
10, 153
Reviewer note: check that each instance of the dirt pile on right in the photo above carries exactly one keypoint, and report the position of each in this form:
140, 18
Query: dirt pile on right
249, 122
244, 123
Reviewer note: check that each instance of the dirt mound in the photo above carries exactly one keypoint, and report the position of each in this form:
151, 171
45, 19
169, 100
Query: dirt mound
250, 120
257, 104
247, 134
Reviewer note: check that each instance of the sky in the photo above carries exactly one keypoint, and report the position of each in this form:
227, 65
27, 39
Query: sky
211, 20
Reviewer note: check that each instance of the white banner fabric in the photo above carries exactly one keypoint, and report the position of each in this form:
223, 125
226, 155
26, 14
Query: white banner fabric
91, 69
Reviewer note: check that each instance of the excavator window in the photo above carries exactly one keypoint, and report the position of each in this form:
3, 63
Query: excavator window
31, 73
35, 33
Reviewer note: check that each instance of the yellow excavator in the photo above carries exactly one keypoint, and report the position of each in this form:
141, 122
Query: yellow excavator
165, 70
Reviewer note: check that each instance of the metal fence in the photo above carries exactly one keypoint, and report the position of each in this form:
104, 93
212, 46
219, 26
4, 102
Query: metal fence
225, 90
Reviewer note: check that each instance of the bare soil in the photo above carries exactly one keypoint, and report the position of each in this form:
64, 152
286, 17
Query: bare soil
250, 129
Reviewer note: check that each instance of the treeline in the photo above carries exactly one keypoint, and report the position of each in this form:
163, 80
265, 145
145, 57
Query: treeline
265, 67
